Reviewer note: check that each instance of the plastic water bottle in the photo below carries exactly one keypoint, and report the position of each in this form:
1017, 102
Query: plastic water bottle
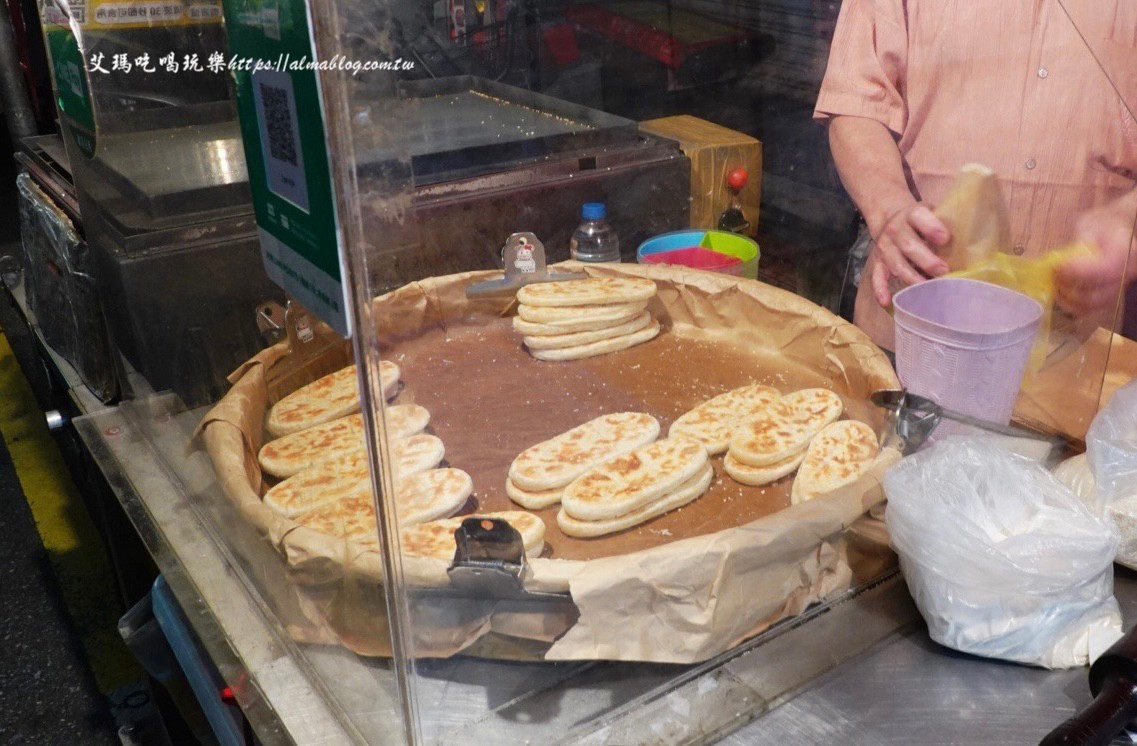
594, 240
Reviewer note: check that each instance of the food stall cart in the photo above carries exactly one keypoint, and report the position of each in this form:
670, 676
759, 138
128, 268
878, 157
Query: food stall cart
746, 614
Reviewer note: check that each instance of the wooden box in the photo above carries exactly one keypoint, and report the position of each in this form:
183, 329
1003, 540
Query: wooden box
714, 151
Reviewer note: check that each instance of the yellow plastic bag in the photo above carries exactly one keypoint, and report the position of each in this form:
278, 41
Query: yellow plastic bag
1033, 277
976, 215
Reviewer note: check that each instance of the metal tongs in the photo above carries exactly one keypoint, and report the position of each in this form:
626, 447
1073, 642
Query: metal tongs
912, 418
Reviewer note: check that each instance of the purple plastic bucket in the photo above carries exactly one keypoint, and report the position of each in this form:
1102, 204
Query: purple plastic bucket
965, 344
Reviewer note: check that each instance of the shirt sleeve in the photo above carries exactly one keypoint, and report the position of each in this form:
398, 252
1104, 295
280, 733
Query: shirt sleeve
867, 66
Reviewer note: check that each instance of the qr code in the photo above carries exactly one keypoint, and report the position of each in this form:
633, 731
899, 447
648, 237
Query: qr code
278, 123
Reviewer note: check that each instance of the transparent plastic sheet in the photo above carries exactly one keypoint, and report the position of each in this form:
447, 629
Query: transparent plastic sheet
1002, 559
391, 245
61, 290
1111, 446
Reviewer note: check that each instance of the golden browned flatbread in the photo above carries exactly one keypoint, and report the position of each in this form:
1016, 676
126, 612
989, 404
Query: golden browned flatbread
574, 339
623, 484
531, 500
293, 453
785, 427
554, 463
837, 456
341, 478
436, 539
349, 475
569, 314
712, 422
759, 476
296, 452
416, 453
349, 518
588, 292
431, 494
602, 347
426, 496
685, 493
331, 397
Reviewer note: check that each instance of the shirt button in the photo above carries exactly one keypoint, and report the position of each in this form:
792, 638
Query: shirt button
1043, 72
1030, 164
1019, 249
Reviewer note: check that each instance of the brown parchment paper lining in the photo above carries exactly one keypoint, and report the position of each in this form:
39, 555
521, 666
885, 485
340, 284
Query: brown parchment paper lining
687, 597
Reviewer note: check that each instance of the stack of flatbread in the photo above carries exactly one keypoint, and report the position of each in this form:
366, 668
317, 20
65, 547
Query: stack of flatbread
349, 475
575, 319
540, 473
772, 444
636, 487
300, 450
422, 497
321, 458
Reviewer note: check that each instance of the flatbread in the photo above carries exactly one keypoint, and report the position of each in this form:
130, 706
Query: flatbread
626, 483
785, 427
592, 291
554, 463
759, 476
713, 421
837, 456
293, 453
342, 478
427, 496
685, 493
602, 347
531, 500
431, 494
611, 312
436, 539
556, 341
298, 451
349, 475
416, 453
533, 329
331, 397
350, 518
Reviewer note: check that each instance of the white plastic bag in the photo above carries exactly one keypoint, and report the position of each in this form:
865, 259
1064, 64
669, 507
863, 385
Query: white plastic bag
1111, 447
1002, 559
1111, 457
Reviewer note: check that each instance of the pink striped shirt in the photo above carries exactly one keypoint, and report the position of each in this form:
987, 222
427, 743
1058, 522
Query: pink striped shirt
1007, 83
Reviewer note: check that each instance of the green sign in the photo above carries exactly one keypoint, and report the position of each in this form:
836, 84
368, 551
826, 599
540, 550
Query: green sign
72, 92
286, 151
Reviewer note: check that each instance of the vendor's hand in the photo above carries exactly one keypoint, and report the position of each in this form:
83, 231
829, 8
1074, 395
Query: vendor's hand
905, 249
1091, 285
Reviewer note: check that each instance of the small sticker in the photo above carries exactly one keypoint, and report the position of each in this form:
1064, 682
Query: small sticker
523, 254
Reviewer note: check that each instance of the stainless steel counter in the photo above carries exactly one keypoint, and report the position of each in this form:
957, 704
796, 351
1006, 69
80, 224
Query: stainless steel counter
861, 670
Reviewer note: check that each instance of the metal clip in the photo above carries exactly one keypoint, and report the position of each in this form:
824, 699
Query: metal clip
489, 559
523, 257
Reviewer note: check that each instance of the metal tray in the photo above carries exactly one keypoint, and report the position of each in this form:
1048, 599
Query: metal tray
466, 126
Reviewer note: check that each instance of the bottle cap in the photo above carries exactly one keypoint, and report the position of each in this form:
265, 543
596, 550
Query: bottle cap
593, 211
